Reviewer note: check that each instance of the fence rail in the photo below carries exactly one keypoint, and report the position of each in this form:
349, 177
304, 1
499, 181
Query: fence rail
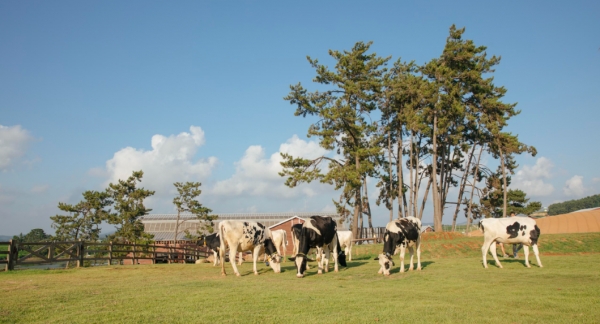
31, 253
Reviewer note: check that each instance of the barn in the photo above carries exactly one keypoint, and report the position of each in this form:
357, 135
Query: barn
287, 226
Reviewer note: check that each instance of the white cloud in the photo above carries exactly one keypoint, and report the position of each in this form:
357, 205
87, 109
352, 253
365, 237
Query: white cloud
257, 175
40, 189
531, 178
574, 187
170, 160
596, 180
14, 142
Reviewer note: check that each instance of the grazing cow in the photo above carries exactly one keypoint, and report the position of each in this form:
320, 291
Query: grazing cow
242, 236
510, 230
213, 242
280, 240
318, 232
345, 238
400, 233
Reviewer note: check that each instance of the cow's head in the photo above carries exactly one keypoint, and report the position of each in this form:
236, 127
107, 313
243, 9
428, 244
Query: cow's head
274, 258
386, 262
300, 261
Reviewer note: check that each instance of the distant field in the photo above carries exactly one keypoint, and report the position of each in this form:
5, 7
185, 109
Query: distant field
453, 288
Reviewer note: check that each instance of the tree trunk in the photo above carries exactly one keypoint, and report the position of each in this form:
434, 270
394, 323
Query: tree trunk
437, 217
357, 202
412, 187
473, 187
390, 198
463, 182
425, 198
505, 187
368, 205
401, 198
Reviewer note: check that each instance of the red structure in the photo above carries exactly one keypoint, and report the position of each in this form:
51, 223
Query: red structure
287, 226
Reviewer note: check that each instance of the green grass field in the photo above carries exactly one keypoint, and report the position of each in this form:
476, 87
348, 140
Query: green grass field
453, 287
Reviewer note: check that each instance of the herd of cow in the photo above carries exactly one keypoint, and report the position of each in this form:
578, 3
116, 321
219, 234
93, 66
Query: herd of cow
321, 234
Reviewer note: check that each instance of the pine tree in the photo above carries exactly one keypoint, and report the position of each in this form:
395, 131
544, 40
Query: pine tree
129, 207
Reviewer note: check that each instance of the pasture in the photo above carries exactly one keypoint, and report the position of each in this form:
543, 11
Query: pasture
453, 287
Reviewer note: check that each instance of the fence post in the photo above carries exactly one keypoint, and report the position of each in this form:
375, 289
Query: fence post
9, 257
110, 253
133, 257
79, 253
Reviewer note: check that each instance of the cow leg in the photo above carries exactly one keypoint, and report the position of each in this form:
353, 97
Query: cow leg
411, 251
350, 251
241, 258
255, 255
319, 260
419, 254
402, 251
326, 258
495, 255
526, 252
537, 255
335, 255
232, 252
484, 251
215, 258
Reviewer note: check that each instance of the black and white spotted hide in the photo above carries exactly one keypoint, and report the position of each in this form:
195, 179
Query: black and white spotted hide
242, 236
510, 230
401, 233
321, 233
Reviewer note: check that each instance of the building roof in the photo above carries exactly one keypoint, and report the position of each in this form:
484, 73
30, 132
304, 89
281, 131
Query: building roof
287, 220
163, 225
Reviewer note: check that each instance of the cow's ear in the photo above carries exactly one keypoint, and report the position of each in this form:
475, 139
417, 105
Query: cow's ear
292, 259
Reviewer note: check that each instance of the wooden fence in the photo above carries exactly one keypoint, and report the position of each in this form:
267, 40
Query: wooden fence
31, 253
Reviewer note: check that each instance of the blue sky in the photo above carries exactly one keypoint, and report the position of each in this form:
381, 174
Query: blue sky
85, 87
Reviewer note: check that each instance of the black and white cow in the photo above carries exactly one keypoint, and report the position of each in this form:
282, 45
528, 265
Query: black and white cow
321, 233
400, 233
510, 230
213, 242
242, 236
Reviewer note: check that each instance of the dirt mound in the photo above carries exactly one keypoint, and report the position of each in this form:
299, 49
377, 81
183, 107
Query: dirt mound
581, 222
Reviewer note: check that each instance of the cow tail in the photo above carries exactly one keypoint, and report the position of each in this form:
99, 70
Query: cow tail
481, 226
285, 240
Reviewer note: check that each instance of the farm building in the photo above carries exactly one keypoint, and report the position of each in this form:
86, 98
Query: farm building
427, 229
163, 225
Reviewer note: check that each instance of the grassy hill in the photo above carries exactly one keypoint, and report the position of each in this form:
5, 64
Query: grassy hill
452, 288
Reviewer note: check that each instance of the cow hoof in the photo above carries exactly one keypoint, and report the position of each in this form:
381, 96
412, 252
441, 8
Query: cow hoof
223, 274
237, 274
319, 272
299, 276
256, 273
419, 269
386, 274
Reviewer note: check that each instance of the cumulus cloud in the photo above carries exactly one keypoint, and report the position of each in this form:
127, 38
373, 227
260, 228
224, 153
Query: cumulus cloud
14, 141
171, 159
257, 175
574, 187
531, 178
